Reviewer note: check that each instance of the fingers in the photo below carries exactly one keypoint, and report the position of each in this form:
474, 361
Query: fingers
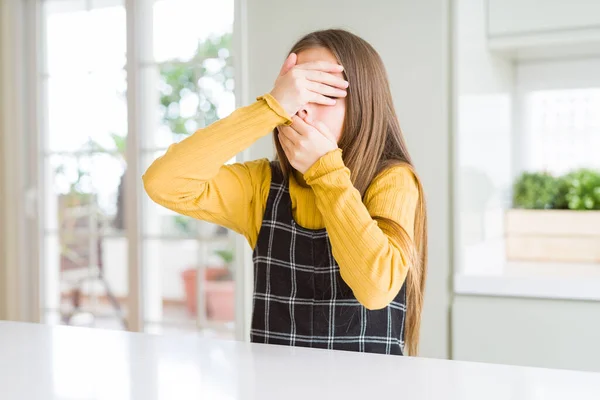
303, 125
321, 66
292, 136
288, 64
286, 144
300, 126
321, 99
325, 90
326, 78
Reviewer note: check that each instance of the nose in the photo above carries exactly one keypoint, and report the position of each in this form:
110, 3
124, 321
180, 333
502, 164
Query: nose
305, 111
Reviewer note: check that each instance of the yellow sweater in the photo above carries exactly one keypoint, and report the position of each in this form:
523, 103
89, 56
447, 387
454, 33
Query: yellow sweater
191, 179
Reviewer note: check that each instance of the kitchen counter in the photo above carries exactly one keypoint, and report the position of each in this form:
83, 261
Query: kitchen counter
59, 363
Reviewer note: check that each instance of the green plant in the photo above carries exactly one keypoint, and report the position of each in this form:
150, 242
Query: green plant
196, 86
77, 188
577, 190
582, 189
184, 224
227, 257
536, 190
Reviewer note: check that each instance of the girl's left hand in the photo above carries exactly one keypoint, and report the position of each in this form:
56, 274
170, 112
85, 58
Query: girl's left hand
305, 142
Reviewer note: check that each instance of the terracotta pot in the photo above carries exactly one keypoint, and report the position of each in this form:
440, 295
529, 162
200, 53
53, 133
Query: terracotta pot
220, 294
220, 300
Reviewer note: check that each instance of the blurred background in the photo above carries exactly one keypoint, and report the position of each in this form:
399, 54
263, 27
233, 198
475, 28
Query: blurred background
499, 101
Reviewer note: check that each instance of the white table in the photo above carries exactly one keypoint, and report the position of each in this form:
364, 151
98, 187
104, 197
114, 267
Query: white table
42, 362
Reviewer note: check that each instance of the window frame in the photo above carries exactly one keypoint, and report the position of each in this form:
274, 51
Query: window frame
580, 73
29, 120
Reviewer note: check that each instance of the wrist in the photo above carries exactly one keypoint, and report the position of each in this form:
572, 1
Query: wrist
280, 99
331, 162
276, 106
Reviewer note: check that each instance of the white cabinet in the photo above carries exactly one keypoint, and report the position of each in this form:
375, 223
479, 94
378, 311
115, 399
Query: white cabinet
544, 28
526, 17
526, 331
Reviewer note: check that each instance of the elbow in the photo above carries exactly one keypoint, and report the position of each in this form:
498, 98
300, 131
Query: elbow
378, 290
376, 294
152, 184
172, 193
157, 188
376, 300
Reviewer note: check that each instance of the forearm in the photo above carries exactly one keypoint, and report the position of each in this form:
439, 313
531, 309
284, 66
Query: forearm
198, 158
371, 263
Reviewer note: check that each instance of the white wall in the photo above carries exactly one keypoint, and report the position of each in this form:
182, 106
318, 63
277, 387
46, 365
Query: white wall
482, 140
413, 40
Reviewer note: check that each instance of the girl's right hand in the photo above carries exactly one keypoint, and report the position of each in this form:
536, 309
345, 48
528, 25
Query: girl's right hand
298, 85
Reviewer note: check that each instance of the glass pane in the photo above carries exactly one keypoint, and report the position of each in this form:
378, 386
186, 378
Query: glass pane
108, 46
84, 260
86, 112
563, 129
171, 273
189, 96
179, 25
192, 72
84, 265
77, 38
85, 280
65, 51
94, 181
164, 265
187, 84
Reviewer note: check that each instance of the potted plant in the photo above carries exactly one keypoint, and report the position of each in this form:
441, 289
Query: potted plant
219, 288
555, 218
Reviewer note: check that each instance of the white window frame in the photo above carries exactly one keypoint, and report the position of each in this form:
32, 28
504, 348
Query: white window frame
18, 251
20, 24
581, 73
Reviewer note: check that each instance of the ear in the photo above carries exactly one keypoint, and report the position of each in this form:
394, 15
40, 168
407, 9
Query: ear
288, 64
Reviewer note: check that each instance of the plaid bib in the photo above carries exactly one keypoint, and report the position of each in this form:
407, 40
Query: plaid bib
300, 298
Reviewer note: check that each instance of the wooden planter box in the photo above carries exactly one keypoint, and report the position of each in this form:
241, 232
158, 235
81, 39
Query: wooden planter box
553, 236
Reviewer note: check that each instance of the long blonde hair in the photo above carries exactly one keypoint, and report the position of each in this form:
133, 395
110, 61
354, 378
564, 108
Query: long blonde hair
371, 142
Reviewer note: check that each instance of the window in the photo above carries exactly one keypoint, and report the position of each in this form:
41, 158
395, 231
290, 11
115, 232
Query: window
563, 127
527, 145
186, 80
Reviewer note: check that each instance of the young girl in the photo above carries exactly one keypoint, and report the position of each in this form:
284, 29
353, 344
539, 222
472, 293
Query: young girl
337, 223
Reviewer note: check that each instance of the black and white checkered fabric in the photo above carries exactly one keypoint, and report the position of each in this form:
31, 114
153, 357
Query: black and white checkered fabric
300, 298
